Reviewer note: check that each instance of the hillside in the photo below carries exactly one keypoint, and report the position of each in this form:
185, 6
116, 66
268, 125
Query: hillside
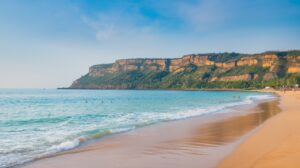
212, 70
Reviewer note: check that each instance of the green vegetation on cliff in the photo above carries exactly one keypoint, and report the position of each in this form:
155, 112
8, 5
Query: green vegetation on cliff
224, 70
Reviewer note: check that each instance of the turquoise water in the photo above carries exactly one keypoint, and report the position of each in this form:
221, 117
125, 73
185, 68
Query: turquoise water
35, 123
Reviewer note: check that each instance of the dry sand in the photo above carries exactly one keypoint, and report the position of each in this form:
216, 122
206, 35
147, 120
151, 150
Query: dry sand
276, 143
196, 142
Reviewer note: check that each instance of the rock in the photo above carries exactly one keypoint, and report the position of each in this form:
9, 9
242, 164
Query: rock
199, 67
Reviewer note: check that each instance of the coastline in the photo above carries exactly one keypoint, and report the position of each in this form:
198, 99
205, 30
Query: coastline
276, 143
192, 138
175, 89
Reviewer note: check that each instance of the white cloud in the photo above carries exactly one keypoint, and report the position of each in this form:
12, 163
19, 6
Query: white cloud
204, 14
105, 26
118, 26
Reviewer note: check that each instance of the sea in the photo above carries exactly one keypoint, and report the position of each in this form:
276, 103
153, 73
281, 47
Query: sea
36, 123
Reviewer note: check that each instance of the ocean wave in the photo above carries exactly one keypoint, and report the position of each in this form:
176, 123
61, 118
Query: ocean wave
67, 129
69, 144
202, 110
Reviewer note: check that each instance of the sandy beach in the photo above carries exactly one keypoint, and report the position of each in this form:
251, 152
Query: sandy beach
201, 141
276, 143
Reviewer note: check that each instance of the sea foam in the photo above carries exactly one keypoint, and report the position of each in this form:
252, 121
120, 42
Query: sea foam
38, 123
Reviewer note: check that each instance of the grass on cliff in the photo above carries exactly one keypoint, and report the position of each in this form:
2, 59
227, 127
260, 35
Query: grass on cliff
192, 76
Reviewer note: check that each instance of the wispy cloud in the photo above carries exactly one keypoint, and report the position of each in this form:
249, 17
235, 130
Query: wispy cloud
203, 15
117, 25
105, 28
207, 15
79, 33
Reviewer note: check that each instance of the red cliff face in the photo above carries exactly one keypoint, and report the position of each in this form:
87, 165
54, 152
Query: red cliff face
177, 65
101, 70
139, 64
293, 64
248, 61
224, 67
268, 60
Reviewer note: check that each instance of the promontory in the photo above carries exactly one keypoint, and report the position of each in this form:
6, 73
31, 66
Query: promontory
196, 71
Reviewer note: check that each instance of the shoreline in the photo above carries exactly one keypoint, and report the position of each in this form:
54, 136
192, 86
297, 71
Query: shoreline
171, 89
153, 136
276, 143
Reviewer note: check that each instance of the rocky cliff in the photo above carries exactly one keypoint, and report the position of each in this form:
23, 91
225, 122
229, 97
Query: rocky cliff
226, 70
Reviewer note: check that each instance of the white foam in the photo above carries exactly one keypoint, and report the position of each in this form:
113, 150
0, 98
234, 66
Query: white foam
70, 144
167, 116
119, 130
56, 139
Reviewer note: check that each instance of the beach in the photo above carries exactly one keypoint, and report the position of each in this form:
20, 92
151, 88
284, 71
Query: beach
149, 84
276, 143
199, 141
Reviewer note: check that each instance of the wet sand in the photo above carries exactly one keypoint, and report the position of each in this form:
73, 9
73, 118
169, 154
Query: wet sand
276, 143
196, 142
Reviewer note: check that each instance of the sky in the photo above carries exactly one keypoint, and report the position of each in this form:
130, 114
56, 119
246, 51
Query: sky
50, 43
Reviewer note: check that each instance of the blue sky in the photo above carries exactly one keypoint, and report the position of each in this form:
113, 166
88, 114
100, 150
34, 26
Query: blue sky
49, 43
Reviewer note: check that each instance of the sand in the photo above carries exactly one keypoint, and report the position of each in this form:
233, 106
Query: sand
195, 142
275, 144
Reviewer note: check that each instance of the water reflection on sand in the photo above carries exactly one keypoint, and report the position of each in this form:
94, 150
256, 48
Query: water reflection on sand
220, 132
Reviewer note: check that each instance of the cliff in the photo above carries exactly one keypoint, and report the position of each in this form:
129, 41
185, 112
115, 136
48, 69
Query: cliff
225, 70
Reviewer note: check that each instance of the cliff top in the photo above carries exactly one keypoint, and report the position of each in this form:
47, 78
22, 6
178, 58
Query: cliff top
217, 57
